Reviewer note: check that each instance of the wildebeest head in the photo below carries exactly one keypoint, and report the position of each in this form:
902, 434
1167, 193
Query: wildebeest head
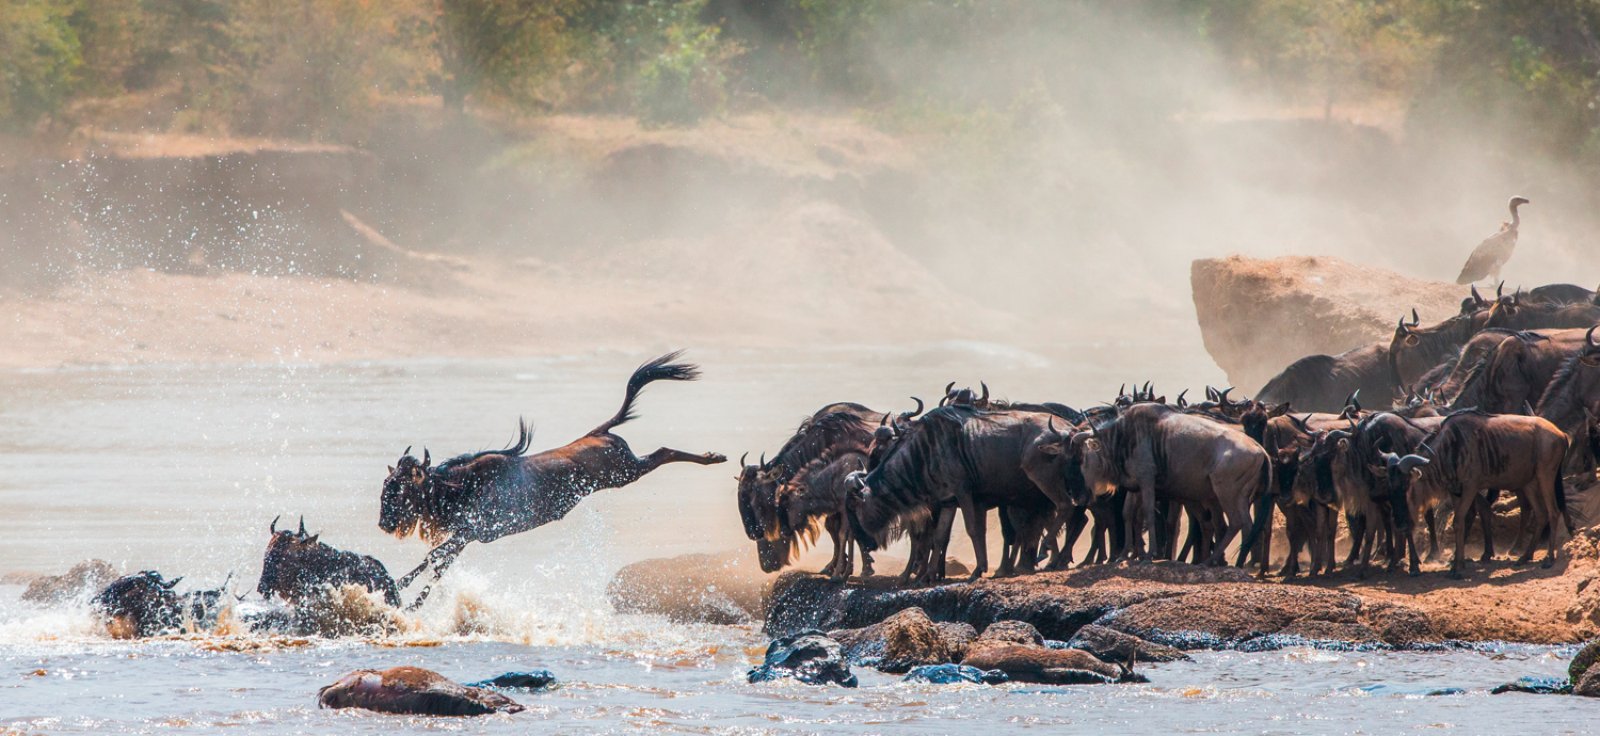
1398, 474
139, 605
1475, 302
404, 490
758, 510
282, 566
1082, 464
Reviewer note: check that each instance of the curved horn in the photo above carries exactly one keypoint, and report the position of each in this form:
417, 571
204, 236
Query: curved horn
1211, 393
884, 422
170, 584
763, 460
1476, 297
302, 525
1401, 327
1500, 290
1334, 435
1415, 320
1051, 424
427, 460
1122, 390
1222, 396
742, 459
1301, 423
1181, 402
1425, 448
1411, 461
273, 528
406, 452
916, 413
1354, 400
985, 398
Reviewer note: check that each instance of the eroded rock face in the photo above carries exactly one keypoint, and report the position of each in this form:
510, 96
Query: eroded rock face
412, 691
1179, 606
906, 640
810, 657
1258, 316
723, 588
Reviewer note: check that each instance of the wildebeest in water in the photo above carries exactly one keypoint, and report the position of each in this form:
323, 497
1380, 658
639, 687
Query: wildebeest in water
481, 497
297, 566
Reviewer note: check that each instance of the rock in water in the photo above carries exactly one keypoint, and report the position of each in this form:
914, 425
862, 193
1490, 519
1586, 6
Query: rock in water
412, 691
84, 577
531, 680
905, 640
950, 674
1013, 632
1536, 685
1583, 660
809, 657
1114, 646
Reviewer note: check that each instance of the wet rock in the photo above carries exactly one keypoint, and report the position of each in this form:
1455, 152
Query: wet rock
905, 640
1115, 646
1536, 686
1010, 632
1587, 655
809, 657
951, 674
412, 691
1231, 616
83, 580
723, 588
530, 680
1588, 685
1030, 663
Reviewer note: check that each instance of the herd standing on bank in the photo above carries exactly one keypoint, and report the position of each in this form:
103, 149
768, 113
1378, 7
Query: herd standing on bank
1501, 398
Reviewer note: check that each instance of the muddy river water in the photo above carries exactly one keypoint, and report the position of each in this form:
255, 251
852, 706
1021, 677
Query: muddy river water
181, 468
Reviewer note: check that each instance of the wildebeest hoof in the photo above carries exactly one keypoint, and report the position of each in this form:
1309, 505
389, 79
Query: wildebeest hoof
712, 458
1456, 575
1547, 564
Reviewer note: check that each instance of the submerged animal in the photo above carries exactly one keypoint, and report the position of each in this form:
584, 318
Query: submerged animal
298, 566
412, 691
481, 497
1491, 255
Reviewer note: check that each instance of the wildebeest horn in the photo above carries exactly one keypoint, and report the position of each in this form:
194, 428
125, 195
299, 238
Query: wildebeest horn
1051, 424
1588, 337
1500, 290
170, 584
947, 388
1415, 320
1354, 400
1122, 390
1301, 423
1334, 435
885, 420
1401, 327
1222, 396
1475, 295
763, 460
1425, 448
1181, 402
427, 460
1211, 394
916, 413
985, 398
273, 528
742, 458
302, 525
1411, 461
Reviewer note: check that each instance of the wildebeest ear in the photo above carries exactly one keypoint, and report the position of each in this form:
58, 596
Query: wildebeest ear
391, 470
1344, 443
313, 539
1092, 445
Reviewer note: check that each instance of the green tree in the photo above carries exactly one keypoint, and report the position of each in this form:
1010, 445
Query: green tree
39, 57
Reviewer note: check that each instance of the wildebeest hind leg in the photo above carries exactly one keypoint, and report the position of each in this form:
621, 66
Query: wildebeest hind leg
667, 455
451, 549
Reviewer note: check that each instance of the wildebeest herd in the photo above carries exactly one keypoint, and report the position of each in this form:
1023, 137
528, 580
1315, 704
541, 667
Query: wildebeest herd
1499, 398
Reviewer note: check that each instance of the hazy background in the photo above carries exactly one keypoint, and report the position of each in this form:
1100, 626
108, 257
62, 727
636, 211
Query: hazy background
903, 192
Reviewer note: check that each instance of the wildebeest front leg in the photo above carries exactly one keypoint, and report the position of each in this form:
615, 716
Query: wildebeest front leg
447, 555
1463, 507
450, 547
972, 514
668, 455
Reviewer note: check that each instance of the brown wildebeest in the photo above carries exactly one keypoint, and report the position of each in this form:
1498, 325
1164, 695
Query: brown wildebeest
1322, 382
1516, 373
481, 497
1166, 453
1472, 452
297, 566
834, 430
1571, 401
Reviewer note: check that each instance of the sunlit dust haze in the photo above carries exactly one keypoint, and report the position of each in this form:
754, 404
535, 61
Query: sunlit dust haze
256, 251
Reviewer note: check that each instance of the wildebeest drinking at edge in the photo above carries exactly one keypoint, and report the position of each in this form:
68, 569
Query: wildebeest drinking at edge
481, 497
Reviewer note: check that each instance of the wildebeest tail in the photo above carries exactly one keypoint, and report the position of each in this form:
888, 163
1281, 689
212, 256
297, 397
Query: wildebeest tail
660, 369
1263, 513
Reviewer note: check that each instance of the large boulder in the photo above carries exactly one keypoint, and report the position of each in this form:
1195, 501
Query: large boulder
1267, 616
412, 691
809, 657
1258, 316
721, 588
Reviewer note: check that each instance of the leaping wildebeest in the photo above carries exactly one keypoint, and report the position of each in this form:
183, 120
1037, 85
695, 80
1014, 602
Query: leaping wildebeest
483, 496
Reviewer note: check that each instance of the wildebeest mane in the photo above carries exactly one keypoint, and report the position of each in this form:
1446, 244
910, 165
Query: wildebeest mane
517, 448
818, 437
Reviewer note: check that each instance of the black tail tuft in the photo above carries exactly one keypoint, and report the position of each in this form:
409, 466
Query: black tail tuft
660, 369
1561, 504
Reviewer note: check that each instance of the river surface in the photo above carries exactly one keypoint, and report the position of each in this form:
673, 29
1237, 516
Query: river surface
181, 469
